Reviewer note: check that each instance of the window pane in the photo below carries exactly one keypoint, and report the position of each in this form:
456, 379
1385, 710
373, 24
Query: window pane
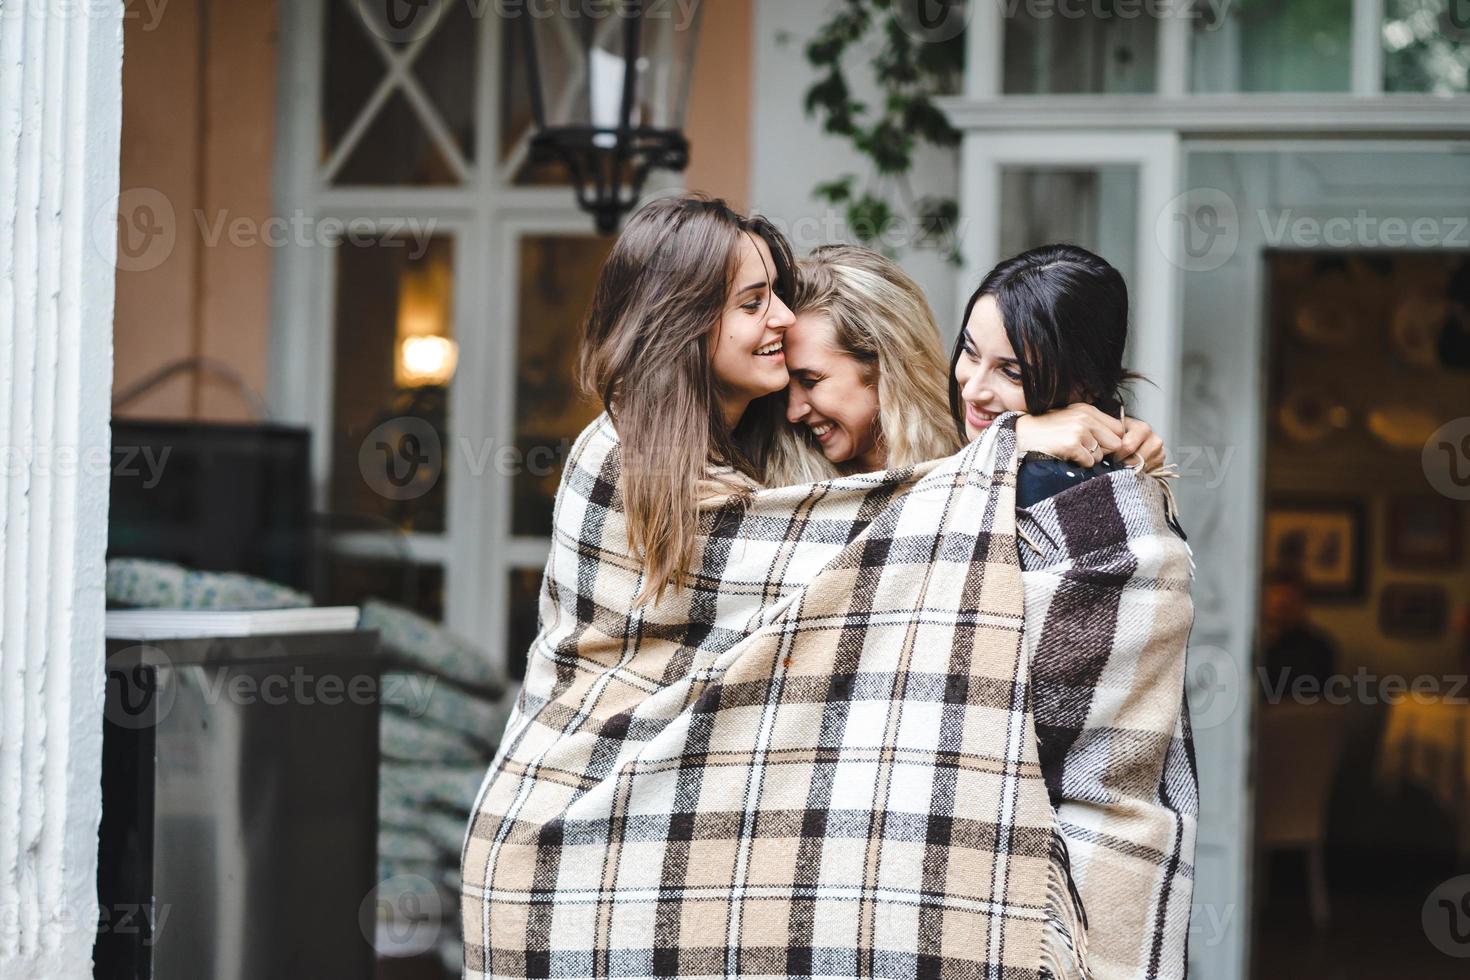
446, 68
393, 359
525, 597
396, 148
1426, 46
1048, 51
1274, 46
351, 69
1096, 208
558, 274
351, 579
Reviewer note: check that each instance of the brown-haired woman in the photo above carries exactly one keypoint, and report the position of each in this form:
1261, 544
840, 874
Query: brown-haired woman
683, 342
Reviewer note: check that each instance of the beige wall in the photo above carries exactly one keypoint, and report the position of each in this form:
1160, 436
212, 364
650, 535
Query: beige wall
720, 102
197, 138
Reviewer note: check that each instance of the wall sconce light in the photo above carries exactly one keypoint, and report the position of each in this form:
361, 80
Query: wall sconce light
425, 360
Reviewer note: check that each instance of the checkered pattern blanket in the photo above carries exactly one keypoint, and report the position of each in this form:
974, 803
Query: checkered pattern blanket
1108, 616
819, 758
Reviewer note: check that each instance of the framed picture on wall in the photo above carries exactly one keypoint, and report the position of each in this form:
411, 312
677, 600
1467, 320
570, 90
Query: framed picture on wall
1322, 540
1424, 532
1413, 612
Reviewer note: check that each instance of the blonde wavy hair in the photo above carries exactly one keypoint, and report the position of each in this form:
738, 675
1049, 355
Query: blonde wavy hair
880, 317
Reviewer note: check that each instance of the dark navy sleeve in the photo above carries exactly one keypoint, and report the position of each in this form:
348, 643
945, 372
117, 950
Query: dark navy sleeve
1041, 477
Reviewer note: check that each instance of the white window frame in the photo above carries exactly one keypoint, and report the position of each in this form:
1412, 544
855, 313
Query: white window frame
987, 46
487, 214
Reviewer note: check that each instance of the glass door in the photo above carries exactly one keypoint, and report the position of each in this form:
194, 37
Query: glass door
1119, 194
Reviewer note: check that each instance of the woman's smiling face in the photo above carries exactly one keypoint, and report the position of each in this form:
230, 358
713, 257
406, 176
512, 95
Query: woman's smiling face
831, 393
988, 371
747, 355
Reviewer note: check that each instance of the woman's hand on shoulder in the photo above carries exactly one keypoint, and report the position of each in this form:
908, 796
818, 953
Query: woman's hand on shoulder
1078, 433
1141, 444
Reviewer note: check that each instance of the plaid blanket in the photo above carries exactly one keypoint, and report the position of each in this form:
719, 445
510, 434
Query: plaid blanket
819, 758
1108, 616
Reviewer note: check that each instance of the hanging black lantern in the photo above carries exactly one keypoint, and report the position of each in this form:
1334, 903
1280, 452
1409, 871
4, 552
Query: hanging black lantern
609, 85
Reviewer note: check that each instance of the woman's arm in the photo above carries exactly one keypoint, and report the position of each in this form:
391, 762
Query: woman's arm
1084, 435
1107, 618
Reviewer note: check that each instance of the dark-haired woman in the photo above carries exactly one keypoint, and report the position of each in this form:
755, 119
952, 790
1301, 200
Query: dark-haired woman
1065, 310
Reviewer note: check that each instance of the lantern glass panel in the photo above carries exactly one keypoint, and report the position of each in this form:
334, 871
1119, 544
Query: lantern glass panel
582, 56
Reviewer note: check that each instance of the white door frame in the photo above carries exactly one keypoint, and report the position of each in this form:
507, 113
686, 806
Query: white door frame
1088, 129
1221, 643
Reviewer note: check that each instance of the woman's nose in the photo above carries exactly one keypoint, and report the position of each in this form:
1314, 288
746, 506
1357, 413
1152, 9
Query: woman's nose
975, 389
781, 316
796, 405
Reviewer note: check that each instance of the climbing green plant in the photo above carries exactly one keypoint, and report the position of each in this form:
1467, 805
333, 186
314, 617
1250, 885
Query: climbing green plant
911, 70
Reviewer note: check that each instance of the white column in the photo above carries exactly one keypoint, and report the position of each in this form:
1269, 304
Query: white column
60, 113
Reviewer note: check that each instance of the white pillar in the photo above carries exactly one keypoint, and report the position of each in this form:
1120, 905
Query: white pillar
60, 113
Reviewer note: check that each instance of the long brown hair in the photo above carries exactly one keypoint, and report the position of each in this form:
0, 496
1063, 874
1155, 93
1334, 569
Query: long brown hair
880, 317
646, 356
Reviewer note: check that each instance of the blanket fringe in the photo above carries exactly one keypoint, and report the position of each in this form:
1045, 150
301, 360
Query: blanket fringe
1021, 532
1064, 939
1163, 474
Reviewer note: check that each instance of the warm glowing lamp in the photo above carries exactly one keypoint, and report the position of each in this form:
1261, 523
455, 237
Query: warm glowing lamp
425, 353
425, 360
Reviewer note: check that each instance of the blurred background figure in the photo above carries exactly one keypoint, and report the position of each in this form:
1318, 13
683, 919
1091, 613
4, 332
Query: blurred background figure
1293, 647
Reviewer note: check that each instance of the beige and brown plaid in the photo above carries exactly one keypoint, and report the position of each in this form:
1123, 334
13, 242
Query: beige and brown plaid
819, 759
1108, 615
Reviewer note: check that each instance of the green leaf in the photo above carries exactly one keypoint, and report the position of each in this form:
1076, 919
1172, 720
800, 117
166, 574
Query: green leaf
907, 75
869, 217
836, 191
922, 117
890, 147
829, 94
